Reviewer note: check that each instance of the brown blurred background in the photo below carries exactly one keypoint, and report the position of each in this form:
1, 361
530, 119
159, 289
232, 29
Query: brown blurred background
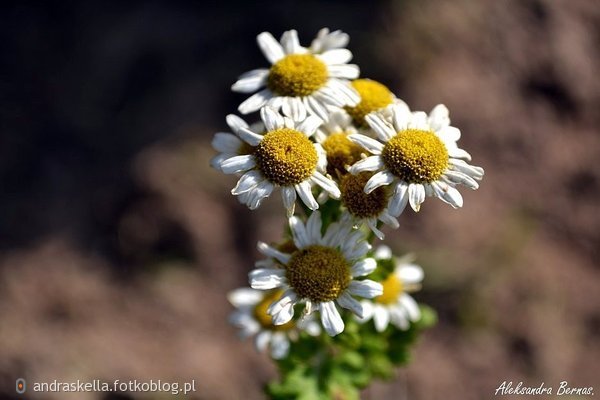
118, 242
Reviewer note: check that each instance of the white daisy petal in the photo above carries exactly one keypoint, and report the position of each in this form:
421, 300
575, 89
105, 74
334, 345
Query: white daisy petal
381, 178
237, 164
314, 107
280, 345
350, 303
383, 252
470, 170
398, 317
381, 318
359, 251
299, 234
252, 138
270, 47
235, 123
449, 134
226, 142
345, 90
368, 310
383, 129
261, 341
272, 252
458, 153
284, 315
439, 118
372, 163
363, 267
347, 71
290, 42
327, 184
271, 118
410, 273
251, 81
255, 102
399, 200
401, 115
265, 279
293, 108
411, 307
453, 197
372, 224
419, 121
371, 145
331, 319
288, 195
244, 297
389, 220
329, 96
247, 182
336, 56
217, 160
457, 177
258, 194
304, 191
313, 227
416, 195
365, 288
309, 125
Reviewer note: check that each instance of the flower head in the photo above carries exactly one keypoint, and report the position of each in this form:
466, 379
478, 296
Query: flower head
333, 136
283, 157
300, 80
366, 208
395, 305
252, 319
419, 155
321, 272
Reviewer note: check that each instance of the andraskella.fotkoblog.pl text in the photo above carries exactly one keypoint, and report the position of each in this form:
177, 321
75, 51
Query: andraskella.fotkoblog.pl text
117, 385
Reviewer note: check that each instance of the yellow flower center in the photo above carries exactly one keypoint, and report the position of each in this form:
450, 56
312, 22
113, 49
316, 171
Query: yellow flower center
318, 273
373, 96
341, 152
297, 75
392, 288
263, 318
286, 157
415, 156
355, 199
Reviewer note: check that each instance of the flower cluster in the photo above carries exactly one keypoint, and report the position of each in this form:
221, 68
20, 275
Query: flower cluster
352, 156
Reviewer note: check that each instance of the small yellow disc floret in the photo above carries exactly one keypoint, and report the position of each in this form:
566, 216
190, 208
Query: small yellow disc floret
392, 288
415, 156
359, 203
341, 152
297, 75
373, 96
318, 273
263, 318
286, 157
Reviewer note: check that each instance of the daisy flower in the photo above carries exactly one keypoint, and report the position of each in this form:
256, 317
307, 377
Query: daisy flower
252, 319
300, 80
283, 157
395, 305
321, 272
374, 97
333, 136
229, 144
419, 155
366, 208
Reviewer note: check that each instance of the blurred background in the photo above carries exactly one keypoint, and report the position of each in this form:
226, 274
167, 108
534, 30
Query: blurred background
118, 242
